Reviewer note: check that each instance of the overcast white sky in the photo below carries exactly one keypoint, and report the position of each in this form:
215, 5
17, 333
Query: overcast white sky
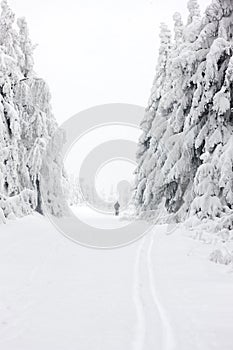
96, 51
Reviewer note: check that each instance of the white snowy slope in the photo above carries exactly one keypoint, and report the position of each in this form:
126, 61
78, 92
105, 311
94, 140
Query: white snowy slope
159, 293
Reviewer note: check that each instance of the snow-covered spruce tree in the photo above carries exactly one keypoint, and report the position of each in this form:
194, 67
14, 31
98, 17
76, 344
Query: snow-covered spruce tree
169, 111
178, 28
194, 11
158, 89
195, 115
26, 120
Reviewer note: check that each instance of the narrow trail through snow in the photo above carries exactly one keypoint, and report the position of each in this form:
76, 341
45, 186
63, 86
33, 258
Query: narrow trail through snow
154, 330
168, 335
100, 300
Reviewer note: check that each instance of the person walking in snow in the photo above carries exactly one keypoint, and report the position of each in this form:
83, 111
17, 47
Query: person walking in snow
117, 207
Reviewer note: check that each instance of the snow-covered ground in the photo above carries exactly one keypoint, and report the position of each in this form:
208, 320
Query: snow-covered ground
158, 293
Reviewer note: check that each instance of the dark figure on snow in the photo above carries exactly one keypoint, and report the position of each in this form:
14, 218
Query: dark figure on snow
117, 207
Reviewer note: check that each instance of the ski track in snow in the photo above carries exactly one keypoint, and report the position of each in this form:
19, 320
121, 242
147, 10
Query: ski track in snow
153, 326
35, 282
152, 330
168, 336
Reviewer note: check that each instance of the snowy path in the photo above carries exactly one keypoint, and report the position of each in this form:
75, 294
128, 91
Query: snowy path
153, 328
153, 294
54, 293
98, 220
150, 328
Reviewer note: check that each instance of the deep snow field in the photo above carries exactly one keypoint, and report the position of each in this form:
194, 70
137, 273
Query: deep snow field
161, 292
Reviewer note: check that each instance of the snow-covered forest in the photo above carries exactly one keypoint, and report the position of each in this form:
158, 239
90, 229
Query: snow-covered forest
26, 120
185, 154
160, 289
